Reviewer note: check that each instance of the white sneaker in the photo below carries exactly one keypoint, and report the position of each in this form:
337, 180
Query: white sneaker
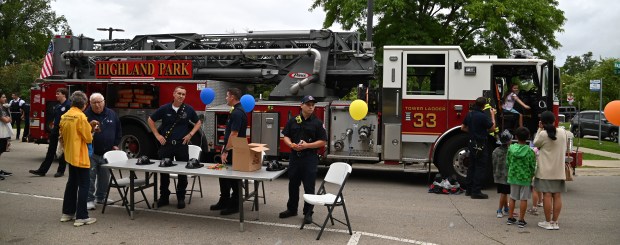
81, 222
90, 205
66, 217
555, 225
546, 225
110, 201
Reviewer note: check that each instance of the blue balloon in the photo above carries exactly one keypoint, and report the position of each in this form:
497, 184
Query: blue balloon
207, 95
247, 102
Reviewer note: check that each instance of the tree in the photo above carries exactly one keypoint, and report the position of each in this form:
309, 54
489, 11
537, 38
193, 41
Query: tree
580, 84
26, 27
17, 78
575, 64
478, 26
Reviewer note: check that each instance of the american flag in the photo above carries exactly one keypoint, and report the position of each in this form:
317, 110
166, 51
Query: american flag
46, 69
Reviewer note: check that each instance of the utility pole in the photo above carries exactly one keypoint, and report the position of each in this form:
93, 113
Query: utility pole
369, 20
110, 30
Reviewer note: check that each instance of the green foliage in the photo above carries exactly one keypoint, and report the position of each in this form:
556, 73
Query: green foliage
579, 84
26, 27
19, 77
575, 64
478, 26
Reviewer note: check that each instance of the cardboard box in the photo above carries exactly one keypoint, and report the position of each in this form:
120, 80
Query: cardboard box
247, 157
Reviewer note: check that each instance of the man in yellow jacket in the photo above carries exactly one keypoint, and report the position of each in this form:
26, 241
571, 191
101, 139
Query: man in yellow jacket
76, 133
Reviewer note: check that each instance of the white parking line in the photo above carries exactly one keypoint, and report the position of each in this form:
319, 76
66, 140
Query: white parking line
352, 241
355, 238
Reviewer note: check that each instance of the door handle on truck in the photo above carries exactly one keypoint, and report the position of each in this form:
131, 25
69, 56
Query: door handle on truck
397, 102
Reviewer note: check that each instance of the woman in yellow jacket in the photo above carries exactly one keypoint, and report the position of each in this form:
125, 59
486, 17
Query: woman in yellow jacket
76, 133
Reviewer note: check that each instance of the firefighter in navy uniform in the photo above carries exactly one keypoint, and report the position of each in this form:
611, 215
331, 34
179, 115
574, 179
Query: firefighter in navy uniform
235, 127
304, 134
174, 134
63, 106
477, 125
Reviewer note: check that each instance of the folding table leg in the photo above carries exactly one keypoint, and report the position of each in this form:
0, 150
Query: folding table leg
256, 183
155, 186
241, 200
131, 196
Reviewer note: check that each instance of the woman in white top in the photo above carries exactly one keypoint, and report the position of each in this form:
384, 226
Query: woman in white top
550, 175
6, 131
509, 102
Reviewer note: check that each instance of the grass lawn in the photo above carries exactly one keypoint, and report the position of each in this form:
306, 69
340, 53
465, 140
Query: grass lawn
593, 144
589, 156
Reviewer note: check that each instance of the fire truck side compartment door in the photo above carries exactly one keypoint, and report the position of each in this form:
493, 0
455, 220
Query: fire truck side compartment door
265, 130
392, 141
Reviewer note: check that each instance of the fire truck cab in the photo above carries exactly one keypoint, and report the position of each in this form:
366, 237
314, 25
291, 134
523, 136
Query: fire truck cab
428, 90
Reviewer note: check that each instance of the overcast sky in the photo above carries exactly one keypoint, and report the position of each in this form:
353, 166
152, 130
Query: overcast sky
591, 25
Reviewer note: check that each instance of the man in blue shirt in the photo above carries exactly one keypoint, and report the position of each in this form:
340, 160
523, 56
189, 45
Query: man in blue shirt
477, 125
60, 109
174, 134
106, 138
235, 127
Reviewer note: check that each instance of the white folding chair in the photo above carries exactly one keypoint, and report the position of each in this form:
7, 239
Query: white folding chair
194, 152
122, 184
337, 174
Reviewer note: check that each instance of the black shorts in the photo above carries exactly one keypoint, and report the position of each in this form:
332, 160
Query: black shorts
503, 189
3, 144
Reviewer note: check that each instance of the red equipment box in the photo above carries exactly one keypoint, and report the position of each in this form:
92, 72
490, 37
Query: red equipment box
577, 158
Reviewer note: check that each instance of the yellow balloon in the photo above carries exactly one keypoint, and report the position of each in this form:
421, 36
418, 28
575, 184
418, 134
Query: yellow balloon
358, 109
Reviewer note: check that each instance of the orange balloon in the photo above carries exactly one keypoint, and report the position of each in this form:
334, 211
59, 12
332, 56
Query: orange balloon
612, 112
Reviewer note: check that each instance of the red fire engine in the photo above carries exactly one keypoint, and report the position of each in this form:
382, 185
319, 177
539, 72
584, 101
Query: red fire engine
414, 114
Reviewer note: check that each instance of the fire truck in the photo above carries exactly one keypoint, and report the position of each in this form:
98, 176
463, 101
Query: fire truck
415, 111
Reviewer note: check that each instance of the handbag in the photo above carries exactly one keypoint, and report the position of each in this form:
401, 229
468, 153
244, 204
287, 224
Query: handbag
568, 171
567, 160
6, 131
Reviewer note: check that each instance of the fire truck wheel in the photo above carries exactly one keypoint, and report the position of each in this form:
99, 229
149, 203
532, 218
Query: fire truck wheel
136, 142
453, 160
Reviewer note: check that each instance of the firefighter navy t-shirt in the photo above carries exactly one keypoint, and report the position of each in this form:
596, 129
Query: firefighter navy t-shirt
478, 124
168, 116
60, 110
237, 121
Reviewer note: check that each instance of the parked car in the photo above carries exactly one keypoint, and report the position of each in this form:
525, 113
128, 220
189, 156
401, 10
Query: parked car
586, 123
568, 111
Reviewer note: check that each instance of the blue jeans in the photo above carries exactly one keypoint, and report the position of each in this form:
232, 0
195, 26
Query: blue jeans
102, 175
76, 192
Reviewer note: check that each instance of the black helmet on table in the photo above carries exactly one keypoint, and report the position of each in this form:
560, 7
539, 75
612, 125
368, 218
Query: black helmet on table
193, 164
144, 160
166, 162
